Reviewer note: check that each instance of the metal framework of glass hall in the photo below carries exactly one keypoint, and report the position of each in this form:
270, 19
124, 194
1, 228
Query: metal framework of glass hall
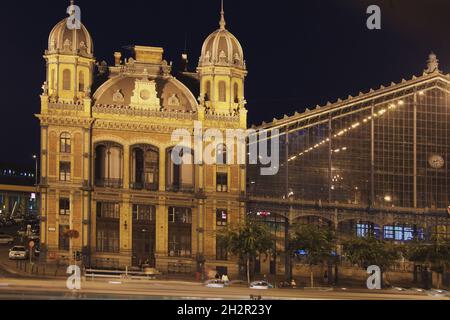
382, 157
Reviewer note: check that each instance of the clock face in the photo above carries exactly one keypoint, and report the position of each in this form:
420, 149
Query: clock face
436, 161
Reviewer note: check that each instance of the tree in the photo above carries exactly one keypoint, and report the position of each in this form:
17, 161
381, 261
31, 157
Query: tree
367, 251
434, 255
248, 239
317, 242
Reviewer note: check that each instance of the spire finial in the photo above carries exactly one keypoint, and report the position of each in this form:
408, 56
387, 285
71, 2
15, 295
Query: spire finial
222, 18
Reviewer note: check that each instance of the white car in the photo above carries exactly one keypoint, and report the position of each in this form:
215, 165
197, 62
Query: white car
5, 239
215, 284
18, 253
260, 285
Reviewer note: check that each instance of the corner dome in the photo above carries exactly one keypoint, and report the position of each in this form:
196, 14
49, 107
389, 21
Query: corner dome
76, 41
222, 48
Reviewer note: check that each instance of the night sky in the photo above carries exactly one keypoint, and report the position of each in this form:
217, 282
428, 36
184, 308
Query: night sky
299, 53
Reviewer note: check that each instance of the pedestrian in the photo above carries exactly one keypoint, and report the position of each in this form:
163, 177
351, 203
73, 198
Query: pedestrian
225, 279
217, 276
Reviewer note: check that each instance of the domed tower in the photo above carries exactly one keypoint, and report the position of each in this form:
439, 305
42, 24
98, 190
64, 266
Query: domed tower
70, 59
222, 72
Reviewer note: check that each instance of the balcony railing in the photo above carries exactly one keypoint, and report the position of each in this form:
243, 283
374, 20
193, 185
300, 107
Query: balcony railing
144, 186
181, 188
109, 183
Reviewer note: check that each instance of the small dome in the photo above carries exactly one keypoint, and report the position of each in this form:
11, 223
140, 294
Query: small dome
222, 48
64, 40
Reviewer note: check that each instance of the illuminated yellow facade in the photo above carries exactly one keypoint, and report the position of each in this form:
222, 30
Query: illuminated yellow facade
109, 187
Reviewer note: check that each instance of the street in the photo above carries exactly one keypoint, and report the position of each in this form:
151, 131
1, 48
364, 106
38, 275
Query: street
14, 287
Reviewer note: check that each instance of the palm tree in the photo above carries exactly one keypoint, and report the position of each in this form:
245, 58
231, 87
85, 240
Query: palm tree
317, 242
247, 240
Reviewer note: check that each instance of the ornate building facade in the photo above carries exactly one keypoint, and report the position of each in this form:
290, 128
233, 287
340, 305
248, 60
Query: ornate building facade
109, 186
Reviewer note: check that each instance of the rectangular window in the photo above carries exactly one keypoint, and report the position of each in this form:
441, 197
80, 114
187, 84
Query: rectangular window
64, 240
180, 232
221, 249
221, 218
108, 210
65, 143
222, 182
144, 213
64, 171
108, 227
64, 206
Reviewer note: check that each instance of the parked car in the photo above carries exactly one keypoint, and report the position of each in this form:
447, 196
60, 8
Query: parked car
215, 284
5, 239
18, 253
260, 285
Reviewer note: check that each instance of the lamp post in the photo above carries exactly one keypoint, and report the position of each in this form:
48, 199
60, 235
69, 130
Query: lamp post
35, 157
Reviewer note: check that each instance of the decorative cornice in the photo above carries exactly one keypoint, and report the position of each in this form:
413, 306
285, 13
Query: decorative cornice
65, 121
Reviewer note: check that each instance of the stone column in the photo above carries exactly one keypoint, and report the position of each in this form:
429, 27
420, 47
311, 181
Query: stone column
162, 170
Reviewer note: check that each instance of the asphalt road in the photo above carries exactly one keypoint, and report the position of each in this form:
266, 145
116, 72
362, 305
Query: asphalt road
13, 287
42, 289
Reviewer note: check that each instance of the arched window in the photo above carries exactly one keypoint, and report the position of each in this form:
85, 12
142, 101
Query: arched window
236, 93
66, 80
145, 168
65, 143
222, 91
208, 91
108, 165
81, 82
221, 154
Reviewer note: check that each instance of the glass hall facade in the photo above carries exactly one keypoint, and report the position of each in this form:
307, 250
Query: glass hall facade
387, 151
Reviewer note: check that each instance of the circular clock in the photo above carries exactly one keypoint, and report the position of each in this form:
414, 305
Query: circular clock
145, 94
436, 161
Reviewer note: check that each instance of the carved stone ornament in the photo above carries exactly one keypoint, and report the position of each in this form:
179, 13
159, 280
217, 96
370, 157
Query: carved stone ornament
118, 96
67, 44
174, 101
45, 89
145, 95
433, 64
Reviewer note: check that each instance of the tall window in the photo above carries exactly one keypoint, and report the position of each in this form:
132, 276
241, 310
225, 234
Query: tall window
65, 143
81, 82
221, 154
64, 240
222, 91
108, 227
180, 232
108, 165
180, 176
208, 91
53, 81
145, 168
64, 206
221, 249
221, 245
236, 93
67, 80
222, 182
64, 171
